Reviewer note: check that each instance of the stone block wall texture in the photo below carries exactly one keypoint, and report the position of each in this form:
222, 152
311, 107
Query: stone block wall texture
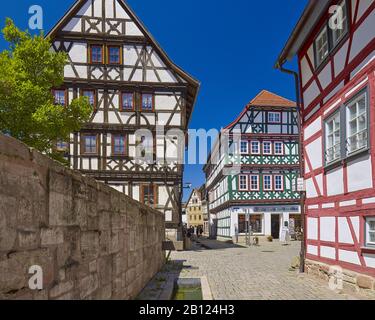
91, 241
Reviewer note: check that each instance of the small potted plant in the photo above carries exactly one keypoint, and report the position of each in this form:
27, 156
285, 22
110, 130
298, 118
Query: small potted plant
270, 239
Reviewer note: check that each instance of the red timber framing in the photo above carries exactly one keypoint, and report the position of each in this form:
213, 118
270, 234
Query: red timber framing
337, 207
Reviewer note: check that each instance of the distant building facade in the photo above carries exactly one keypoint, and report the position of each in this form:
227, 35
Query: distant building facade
194, 210
259, 195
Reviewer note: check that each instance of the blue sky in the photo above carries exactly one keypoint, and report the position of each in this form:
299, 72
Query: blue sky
230, 47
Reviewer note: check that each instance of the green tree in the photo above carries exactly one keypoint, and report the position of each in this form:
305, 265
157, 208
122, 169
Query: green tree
29, 71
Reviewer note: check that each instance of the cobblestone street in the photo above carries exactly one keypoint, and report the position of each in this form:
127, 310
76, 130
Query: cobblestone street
256, 273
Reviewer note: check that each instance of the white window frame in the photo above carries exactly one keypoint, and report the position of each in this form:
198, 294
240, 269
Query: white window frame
319, 61
335, 148
282, 148
282, 182
272, 117
251, 182
264, 183
357, 134
368, 231
247, 182
251, 147
270, 144
247, 147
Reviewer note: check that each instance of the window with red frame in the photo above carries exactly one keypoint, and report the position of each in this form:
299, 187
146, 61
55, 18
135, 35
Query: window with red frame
90, 94
59, 97
279, 148
279, 183
114, 55
127, 101
147, 102
243, 183
119, 145
254, 182
267, 182
149, 195
89, 144
255, 147
96, 55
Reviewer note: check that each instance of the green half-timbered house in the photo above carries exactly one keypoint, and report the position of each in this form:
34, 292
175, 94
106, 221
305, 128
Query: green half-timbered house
252, 183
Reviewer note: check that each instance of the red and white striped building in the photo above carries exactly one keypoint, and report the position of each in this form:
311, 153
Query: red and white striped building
337, 87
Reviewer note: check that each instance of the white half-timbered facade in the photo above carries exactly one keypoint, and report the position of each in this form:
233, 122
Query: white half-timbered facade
251, 183
132, 85
337, 84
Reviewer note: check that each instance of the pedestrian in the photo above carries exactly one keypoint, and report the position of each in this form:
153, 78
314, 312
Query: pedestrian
201, 231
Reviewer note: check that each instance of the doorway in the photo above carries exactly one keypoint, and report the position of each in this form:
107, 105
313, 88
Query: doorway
275, 226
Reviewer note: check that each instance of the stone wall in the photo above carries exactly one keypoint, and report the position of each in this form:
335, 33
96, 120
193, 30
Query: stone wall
341, 279
91, 241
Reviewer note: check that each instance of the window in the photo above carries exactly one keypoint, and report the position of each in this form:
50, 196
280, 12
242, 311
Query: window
279, 148
118, 145
148, 146
254, 183
89, 144
267, 183
333, 139
370, 231
59, 97
244, 147
62, 146
267, 147
148, 194
90, 94
279, 183
255, 147
96, 54
337, 26
256, 223
147, 102
321, 46
127, 101
243, 183
342, 26
274, 117
114, 55
357, 124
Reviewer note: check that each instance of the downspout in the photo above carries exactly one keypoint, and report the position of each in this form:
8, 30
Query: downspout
301, 161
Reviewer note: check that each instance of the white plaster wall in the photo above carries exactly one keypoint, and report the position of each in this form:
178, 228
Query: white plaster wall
311, 191
340, 58
327, 229
314, 152
310, 93
345, 235
328, 252
325, 76
312, 228
312, 250
355, 223
335, 184
349, 256
313, 128
369, 260
306, 73
360, 174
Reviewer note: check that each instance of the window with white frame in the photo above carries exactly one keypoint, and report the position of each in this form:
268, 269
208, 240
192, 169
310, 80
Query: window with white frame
321, 46
244, 147
255, 147
267, 147
267, 182
243, 183
274, 117
340, 24
279, 183
254, 182
279, 148
370, 231
356, 122
333, 138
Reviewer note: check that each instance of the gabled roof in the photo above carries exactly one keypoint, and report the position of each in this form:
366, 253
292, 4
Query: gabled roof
269, 99
265, 99
194, 84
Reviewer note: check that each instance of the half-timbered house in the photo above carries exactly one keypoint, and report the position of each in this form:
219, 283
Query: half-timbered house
132, 85
335, 45
258, 191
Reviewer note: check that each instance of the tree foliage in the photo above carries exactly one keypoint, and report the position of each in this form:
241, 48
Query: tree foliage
29, 71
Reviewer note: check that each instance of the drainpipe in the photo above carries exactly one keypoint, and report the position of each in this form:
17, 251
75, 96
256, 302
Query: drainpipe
301, 162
